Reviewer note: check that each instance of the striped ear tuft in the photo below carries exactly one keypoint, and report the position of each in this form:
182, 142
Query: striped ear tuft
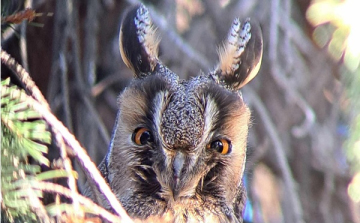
240, 56
138, 41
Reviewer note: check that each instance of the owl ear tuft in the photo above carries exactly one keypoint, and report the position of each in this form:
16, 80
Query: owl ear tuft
240, 56
138, 41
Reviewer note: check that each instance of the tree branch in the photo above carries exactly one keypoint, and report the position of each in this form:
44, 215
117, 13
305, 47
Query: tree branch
289, 181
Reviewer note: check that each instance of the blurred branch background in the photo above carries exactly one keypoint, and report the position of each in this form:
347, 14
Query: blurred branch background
303, 163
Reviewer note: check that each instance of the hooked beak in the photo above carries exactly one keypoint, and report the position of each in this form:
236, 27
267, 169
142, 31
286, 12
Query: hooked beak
177, 169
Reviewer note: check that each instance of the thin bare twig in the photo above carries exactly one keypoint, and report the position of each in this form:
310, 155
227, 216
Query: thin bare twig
286, 42
60, 39
100, 125
69, 170
90, 47
23, 46
75, 46
9, 33
37, 206
297, 36
310, 117
59, 139
24, 77
61, 68
289, 181
104, 84
55, 188
65, 90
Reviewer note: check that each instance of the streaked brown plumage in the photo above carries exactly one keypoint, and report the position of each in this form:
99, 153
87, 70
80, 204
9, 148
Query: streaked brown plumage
179, 147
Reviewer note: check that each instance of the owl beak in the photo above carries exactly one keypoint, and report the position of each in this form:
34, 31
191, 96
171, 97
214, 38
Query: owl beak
177, 168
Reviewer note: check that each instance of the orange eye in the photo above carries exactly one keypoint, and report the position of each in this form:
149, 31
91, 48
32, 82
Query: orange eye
222, 146
142, 136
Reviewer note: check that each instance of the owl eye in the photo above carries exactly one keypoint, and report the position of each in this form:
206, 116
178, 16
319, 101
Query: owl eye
222, 146
142, 136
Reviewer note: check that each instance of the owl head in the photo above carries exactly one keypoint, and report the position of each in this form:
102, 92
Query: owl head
178, 149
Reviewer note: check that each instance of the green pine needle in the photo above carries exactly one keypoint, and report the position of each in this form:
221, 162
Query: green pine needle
24, 134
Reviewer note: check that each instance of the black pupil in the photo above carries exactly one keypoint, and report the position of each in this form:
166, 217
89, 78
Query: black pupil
217, 146
145, 137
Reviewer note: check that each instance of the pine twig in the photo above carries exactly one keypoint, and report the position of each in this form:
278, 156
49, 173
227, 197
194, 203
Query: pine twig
79, 152
37, 95
82, 156
61, 135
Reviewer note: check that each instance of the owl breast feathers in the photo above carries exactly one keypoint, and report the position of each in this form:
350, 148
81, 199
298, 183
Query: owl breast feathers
178, 149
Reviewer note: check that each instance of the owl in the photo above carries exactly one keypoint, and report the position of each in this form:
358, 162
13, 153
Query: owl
178, 148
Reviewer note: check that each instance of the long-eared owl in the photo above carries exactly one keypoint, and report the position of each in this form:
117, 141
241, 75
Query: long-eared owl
178, 148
